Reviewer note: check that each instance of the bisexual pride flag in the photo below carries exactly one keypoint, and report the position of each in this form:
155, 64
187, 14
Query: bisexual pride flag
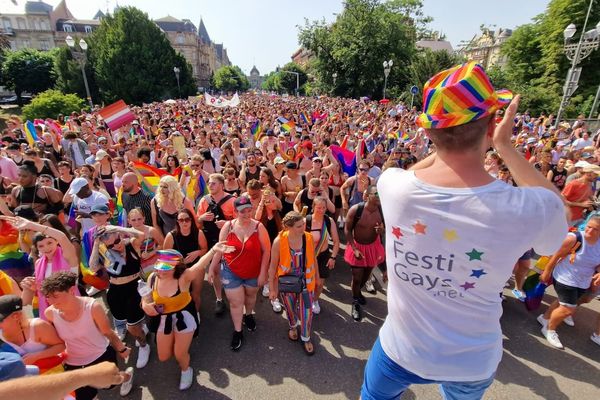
346, 158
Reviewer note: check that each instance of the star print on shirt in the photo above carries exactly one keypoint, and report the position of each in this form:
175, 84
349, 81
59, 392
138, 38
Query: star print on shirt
468, 285
478, 273
450, 235
397, 232
474, 255
419, 228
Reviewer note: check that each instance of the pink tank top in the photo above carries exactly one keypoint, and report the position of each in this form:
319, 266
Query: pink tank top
83, 340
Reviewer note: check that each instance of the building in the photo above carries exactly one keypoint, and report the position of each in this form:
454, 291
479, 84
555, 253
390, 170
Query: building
485, 48
27, 25
65, 24
435, 45
302, 57
255, 79
195, 45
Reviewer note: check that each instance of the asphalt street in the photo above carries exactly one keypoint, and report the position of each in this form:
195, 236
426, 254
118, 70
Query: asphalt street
269, 366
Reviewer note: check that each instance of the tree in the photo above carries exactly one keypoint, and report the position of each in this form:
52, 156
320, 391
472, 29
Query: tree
28, 70
50, 103
68, 74
272, 82
230, 78
133, 60
365, 33
288, 81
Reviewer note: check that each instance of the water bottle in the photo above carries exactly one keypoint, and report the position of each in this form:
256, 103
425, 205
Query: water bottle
144, 290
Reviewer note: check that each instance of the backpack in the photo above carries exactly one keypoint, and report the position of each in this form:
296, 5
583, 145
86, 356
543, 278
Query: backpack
359, 213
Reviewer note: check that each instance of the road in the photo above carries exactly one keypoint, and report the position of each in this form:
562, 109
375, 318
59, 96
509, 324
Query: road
269, 366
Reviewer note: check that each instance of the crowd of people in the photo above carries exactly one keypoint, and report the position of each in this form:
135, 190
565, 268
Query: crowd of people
254, 199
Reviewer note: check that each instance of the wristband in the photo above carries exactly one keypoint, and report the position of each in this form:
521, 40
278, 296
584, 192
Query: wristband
123, 351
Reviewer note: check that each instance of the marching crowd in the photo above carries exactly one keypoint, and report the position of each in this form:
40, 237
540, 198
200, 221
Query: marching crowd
251, 200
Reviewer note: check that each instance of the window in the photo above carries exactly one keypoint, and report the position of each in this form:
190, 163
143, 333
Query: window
180, 39
21, 23
44, 25
7, 25
67, 28
25, 43
44, 44
88, 29
13, 45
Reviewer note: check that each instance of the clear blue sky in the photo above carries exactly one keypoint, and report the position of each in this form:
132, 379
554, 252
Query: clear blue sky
264, 32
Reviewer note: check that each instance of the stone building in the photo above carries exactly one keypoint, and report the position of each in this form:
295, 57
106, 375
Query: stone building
27, 25
255, 79
485, 48
302, 57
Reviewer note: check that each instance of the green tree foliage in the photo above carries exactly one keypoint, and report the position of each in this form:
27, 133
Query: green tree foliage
272, 82
50, 103
133, 60
288, 81
537, 65
69, 78
28, 70
230, 78
365, 33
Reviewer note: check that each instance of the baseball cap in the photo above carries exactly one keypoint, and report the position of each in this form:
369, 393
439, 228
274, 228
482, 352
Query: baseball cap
167, 259
9, 304
77, 185
242, 202
581, 164
100, 154
591, 168
307, 145
279, 160
12, 366
100, 209
586, 155
531, 140
291, 165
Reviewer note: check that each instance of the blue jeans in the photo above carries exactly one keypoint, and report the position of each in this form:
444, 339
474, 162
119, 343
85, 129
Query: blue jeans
384, 379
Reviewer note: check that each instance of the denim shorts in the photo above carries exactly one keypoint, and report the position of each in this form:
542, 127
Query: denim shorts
231, 281
384, 379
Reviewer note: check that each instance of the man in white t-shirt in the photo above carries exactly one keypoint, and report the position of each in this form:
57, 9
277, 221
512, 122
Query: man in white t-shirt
453, 234
84, 200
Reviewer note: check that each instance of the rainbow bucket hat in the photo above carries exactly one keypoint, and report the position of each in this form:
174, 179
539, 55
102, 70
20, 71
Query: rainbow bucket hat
460, 95
167, 260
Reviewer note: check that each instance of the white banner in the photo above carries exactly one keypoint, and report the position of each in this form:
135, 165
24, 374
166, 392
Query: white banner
221, 101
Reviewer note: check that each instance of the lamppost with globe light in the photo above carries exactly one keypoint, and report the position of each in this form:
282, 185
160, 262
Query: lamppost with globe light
334, 76
576, 52
177, 71
81, 57
387, 66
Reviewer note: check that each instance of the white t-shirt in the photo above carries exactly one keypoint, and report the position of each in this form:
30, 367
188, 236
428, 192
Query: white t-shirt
449, 252
581, 143
86, 205
580, 272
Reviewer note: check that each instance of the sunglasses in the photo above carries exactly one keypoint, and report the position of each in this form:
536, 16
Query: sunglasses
363, 169
184, 220
113, 244
195, 165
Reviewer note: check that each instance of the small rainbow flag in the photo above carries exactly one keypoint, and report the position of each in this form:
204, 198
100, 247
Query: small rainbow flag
54, 127
286, 124
121, 217
13, 261
117, 114
30, 134
196, 187
405, 136
89, 277
256, 130
306, 118
148, 176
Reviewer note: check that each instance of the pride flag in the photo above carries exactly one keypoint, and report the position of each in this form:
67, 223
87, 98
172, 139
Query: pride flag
286, 124
30, 134
89, 276
13, 261
117, 114
346, 158
306, 118
196, 187
121, 217
148, 176
54, 128
256, 130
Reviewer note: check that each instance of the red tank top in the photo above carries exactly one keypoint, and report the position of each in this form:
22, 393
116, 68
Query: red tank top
246, 259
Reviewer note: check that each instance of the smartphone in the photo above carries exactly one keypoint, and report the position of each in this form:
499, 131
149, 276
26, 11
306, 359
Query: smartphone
160, 308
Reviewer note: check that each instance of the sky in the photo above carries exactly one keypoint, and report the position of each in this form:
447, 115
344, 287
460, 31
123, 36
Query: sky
264, 32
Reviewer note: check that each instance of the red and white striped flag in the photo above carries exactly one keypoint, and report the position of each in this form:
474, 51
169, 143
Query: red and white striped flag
117, 114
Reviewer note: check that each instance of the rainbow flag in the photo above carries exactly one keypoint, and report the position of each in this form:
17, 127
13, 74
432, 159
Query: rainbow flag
196, 187
346, 158
120, 215
117, 114
14, 262
256, 130
286, 124
71, 219
89, 277
306, 118
148, 176
405, 137
30, 134
54, 127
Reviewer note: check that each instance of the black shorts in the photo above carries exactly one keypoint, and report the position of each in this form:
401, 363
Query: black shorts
322, 260
124, 302
337, 201
527, 256
568, 295
88, 392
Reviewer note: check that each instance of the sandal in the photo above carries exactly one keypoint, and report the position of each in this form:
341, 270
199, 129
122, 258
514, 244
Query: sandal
293, 334
309, 348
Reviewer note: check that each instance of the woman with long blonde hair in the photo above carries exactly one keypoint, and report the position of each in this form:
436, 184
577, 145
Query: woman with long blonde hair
169, 200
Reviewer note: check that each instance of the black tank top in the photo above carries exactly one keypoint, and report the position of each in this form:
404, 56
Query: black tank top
29, 196
185, 245
46, 169
132, 265
250, 175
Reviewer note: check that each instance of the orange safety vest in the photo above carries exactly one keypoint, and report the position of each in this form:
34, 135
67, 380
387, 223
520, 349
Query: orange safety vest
285, 259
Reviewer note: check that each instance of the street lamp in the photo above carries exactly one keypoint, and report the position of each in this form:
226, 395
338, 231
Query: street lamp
334, 76
177, 71
387, 66
576, 52
81, 57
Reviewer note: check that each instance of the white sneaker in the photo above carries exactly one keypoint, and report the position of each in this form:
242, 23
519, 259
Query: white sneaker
552, 338
92, 291
187, 378
595, 338
569, 321
143, 356
276, 306
265, 291
128, 384
543, 321
369, 287
316, 308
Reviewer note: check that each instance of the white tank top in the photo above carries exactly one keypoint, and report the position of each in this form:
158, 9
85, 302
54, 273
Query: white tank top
83, 340
30, 345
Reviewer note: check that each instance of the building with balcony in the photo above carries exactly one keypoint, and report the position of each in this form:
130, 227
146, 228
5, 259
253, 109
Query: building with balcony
485, 48
27, 25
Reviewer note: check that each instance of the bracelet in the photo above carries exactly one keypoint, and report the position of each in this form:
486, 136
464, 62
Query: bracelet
123, 351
